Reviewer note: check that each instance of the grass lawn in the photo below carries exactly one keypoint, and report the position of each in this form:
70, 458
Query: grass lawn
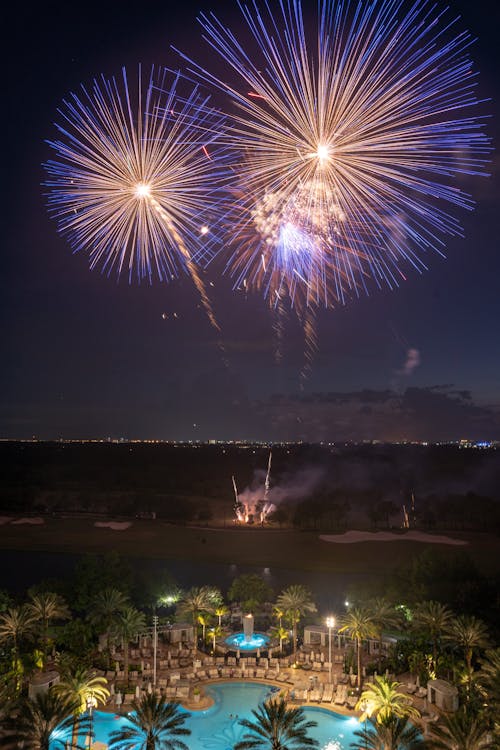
254, 546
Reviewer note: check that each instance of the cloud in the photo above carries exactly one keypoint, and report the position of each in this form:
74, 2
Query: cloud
433, 413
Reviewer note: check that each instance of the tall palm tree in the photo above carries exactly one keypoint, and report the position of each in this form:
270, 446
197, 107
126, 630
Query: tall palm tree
44, 607
393, 734
277, 727
460, 731
195, 601
296, 601
468, 633
384, 615
82, 689
153, 724
105, 608
16, 623
358, 623
433, 618
382, 700
128, 623
36, 720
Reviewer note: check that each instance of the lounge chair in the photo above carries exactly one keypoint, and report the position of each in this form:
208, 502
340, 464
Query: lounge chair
213, 673
340, 696
327, 693
351, 701
317, 694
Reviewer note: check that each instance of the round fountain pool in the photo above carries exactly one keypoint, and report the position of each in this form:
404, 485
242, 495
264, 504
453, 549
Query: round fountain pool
239, 641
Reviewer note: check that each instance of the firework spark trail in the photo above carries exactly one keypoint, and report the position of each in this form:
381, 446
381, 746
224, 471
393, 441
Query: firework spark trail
349, 146
311, 341
266, 483
192, 268
137, 185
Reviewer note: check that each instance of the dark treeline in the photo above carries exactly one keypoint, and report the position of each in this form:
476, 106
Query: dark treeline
313, 486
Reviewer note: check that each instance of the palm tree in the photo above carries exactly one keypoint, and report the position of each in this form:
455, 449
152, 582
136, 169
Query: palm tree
195, 601
129, 622
15, 624
295, 601
153, 724
203, 620
488, 680
36, 719
383, 700
44, 607
282, 634
434, 618
215, 632
220, 612
384, 616
105, 609
460, 731
83, 690
277, 727
358, 623
279, 613
469, 633
393, 734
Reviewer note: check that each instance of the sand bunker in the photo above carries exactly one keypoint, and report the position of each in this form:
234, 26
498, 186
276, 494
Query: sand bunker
351, 537
31, 521
115, 525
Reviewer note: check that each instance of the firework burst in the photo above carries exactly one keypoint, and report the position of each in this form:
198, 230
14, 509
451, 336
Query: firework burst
137, 175
350, 140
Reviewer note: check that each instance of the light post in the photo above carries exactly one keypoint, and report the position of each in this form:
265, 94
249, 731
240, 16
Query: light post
330, 623
155, 647
91, 704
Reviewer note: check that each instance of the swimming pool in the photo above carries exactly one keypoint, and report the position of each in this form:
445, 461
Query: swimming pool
218, 728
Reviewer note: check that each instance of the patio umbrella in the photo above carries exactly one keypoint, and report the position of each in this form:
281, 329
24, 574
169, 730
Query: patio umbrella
137, 691
238, 654
150, 688
258, 653
111, 688
418, 681
118, 699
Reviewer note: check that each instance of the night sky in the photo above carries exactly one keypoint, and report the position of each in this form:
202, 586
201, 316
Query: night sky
83, 356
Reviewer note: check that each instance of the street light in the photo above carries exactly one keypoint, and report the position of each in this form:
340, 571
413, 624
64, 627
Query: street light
330, 623
155, 646
91, 704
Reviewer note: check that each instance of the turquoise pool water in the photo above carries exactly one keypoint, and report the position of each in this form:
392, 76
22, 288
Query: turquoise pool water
217, 728
238, 641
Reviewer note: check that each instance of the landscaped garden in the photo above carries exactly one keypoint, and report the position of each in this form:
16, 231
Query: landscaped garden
411, 671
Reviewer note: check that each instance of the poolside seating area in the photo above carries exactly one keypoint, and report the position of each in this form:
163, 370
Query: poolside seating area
182, 672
